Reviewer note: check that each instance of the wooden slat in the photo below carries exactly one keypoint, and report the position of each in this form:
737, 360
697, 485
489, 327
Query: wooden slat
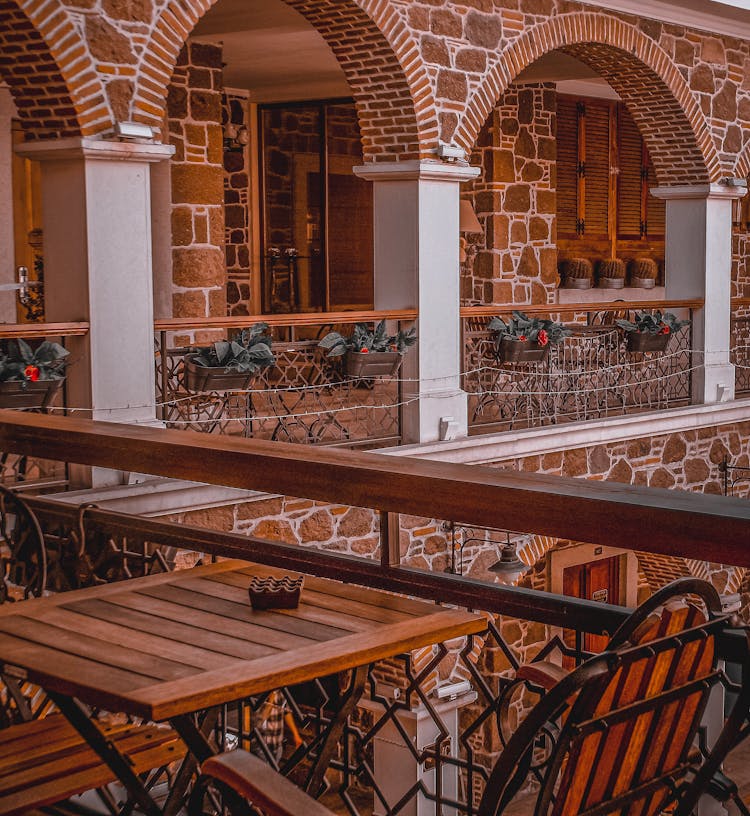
36, 330
77, 644
218, 644
271, 622
344, 607
209, 621
307, 609
166, 700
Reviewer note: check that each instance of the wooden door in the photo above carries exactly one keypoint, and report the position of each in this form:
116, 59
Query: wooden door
595, 581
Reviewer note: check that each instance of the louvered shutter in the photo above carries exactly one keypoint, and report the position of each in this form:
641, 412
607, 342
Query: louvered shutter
629, 197
597, 167
567, 162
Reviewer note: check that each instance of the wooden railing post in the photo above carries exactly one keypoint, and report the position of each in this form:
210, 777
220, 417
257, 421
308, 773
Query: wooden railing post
390, 547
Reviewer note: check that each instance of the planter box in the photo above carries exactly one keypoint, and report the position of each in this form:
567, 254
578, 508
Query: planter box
645, 341
27, 394
521, 351
372, 364
204, 378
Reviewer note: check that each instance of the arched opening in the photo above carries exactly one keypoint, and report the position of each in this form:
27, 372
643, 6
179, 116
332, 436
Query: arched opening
575, 143
269, 109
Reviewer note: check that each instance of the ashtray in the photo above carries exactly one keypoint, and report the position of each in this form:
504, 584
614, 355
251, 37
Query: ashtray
275, 593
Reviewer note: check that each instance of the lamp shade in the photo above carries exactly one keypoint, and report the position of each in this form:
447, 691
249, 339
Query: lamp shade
467, 218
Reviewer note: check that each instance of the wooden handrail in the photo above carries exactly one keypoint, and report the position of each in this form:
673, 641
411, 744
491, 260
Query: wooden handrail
670, 522
27, 331
577, 308
303, 319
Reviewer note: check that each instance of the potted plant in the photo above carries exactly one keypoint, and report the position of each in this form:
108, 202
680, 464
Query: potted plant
369, 352
650, 332
229, 365
31, 377
526, 339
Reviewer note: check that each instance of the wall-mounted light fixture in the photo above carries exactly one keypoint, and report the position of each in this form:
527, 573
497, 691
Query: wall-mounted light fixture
133, 130
510, 567
468, 223
236, 137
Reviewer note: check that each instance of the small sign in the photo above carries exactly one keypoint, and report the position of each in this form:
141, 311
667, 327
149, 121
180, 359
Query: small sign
598, 550
600, 595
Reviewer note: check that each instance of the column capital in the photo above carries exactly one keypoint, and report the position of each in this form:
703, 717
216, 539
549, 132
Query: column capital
698, 192
94, 149
416, 171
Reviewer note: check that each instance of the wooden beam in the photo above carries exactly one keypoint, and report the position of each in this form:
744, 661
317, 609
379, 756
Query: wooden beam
672, 522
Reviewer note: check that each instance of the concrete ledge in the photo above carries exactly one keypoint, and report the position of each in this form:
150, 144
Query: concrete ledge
487, 448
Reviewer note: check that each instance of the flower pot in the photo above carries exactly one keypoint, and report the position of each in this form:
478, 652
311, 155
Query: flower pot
611, 283
28, 394
372, 364
205, 378
643, 283
511, 350
646, 341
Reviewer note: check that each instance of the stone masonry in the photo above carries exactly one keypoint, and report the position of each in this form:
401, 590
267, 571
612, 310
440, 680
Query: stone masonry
194, 108
446, 66
515, 260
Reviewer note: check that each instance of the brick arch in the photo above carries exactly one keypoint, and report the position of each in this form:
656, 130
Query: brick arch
391, 89
640, 71
742, 167
55, 96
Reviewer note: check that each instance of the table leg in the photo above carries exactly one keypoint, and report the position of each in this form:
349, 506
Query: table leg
88, 729
335, 729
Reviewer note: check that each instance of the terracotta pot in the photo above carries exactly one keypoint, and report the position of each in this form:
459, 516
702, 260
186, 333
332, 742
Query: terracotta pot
521, 351
204, 378
27, 394
645, 341
372, 364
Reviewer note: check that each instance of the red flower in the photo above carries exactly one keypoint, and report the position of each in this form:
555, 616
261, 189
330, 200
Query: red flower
542, 337
664, 330
364, 351
522, 337
31, 372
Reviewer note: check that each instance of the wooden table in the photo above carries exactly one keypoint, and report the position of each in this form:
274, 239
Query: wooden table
169, 645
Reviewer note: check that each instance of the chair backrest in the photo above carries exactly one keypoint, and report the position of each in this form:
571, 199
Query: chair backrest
629, 717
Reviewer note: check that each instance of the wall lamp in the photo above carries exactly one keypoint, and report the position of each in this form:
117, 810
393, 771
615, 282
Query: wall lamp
468, 223
507, 570
133, 130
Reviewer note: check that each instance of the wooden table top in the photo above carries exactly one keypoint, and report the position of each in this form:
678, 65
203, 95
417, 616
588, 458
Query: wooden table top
175, 643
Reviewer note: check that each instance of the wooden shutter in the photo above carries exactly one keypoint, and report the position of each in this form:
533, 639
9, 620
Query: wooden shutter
597, 168
656, 208
567, 164
629, 199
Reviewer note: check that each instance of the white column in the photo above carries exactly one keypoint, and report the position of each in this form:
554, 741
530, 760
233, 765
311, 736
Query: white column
7, 235
699, 265
416, 266
96, 209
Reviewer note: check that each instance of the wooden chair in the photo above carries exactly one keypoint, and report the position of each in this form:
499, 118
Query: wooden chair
628, 721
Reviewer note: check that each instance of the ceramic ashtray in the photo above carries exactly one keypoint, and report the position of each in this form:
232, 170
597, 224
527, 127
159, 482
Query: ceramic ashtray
275, 593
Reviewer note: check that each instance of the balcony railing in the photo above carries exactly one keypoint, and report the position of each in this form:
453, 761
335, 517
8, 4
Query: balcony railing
740, 345
303, 398
590, 375
523, 623
37, 472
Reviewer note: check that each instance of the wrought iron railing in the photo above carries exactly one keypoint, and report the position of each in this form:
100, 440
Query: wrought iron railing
590, 375
740, 345
305, 397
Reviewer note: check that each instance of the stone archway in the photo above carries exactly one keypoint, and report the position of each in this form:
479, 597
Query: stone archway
391, 89
54, 96
655, 92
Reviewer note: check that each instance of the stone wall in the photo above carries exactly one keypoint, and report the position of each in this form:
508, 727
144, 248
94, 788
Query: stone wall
237, 212
194, 110
515, 260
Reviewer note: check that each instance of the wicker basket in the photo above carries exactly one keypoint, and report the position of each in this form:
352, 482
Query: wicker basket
28, 394
577, 273
611, 274
203, 378
642, 342
520, 351
643, 272
372, 364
